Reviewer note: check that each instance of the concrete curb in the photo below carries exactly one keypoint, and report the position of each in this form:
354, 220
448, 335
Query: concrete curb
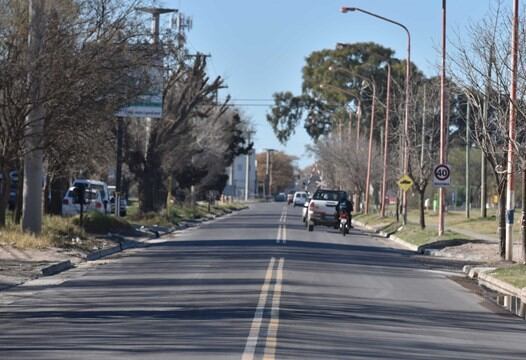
57, 268
393, 238
482, 274
404, 243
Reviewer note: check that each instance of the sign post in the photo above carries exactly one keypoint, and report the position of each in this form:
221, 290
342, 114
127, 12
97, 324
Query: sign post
442, 175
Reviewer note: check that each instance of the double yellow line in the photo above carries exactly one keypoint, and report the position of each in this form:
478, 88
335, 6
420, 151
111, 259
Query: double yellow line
273, 325
282, 227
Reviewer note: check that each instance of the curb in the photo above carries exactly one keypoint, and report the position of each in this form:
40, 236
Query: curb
491, 282
57, 268
404, 243
393, 238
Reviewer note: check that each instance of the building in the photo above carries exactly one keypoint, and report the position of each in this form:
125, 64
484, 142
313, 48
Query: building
237, 183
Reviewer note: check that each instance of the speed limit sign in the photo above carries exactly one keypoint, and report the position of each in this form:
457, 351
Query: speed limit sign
442, 175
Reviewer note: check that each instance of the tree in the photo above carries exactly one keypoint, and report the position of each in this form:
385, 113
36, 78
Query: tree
282, 170
338, 69
88, 68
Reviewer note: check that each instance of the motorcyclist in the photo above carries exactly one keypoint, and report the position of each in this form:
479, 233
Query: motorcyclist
345, 205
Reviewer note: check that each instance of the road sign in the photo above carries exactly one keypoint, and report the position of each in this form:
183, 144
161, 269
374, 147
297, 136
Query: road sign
442, 175
405, 183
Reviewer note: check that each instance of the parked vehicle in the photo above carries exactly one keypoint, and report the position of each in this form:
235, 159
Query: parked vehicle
92, 201
300, 197
99, 186
344, 222
322, 208
280, 197
123, 203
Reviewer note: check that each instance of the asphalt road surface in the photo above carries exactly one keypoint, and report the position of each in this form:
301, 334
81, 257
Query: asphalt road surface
256, 285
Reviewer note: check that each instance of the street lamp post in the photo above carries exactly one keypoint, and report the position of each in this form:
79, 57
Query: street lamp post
386, 138
407, 94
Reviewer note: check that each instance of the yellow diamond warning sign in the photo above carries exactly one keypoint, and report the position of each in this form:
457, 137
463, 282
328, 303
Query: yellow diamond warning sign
405, 183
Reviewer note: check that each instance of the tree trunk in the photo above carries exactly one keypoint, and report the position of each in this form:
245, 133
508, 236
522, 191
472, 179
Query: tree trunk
5, 185
502, 218
152, 194
422, 193
17, 214
58, 187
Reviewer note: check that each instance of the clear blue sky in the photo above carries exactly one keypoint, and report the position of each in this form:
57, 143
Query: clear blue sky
260, 47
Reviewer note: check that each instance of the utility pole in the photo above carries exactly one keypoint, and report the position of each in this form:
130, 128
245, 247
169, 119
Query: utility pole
33, 159
468, 189
483, 164
443, 124
247, 166
386, 139
268, 174
510, 191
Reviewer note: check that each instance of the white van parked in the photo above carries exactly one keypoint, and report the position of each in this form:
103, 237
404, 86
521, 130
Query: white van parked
98, 185
92, 202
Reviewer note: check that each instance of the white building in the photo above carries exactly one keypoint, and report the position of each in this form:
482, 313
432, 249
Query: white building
237, 182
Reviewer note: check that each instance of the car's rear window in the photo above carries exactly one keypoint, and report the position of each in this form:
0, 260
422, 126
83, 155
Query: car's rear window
327, 195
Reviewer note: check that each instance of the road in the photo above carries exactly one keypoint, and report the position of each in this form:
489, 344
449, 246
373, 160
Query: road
256, 285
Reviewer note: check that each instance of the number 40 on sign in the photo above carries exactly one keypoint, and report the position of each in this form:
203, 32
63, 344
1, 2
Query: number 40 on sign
442, 175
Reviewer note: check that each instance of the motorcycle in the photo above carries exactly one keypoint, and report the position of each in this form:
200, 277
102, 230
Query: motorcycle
344, 223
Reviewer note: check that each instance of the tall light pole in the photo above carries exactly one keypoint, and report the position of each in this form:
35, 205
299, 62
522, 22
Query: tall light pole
370, 151
468, 148
407, 94
443, 124
510, 192
386, 138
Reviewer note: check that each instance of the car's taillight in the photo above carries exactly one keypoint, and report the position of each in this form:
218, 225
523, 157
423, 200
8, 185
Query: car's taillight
65, 202
312, 206
98, 205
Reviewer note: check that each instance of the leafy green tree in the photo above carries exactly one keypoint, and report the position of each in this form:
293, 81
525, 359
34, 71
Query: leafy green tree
332, 79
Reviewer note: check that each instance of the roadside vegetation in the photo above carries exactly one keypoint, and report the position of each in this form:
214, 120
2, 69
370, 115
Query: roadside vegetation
66, 233
515, 275
412, 232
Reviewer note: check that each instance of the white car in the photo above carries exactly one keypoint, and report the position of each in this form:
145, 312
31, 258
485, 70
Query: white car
92, 198
322, 208
300, 197
98, 185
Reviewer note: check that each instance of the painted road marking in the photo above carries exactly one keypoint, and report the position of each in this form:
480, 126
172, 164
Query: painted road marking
282, 227
280, 232
272, 332
252, 340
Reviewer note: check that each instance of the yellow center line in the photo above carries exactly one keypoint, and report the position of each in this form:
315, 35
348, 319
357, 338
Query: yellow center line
272, 333
252, 340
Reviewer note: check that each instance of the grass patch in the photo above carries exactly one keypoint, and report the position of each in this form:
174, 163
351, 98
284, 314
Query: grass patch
376, 221
178, 213
16, 238
415, 235
515, 275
